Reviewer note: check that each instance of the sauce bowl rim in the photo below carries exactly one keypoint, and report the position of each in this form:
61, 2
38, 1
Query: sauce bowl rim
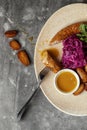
76, 76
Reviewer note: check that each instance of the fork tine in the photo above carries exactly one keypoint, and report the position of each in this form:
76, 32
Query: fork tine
42, 74
44, 70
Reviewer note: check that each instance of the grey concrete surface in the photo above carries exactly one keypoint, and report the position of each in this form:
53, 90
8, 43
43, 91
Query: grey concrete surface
16, 81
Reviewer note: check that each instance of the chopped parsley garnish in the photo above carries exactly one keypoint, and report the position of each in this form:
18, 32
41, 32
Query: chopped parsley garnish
83, 33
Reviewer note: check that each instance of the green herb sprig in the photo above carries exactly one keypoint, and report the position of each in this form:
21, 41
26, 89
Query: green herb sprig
83, 33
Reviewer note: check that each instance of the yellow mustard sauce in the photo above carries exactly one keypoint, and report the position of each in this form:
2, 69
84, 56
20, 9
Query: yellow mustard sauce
66, 81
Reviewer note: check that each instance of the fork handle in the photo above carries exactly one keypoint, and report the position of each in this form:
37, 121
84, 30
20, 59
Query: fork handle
24, 108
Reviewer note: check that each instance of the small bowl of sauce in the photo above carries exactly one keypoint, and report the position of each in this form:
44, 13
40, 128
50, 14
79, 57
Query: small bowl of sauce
66, 81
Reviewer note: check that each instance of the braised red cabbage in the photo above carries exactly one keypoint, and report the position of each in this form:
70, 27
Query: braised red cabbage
73, 53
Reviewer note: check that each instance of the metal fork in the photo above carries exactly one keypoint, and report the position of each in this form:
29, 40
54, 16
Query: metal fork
41, 76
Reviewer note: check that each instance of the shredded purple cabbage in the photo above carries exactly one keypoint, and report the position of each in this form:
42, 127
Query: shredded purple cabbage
74, 53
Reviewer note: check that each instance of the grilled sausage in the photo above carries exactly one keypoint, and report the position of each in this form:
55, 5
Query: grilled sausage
82, 74
79, 90
66, 32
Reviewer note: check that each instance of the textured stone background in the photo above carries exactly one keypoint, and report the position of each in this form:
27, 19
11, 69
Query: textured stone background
16, 81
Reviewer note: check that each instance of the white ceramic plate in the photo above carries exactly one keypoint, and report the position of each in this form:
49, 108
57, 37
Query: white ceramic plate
73, 105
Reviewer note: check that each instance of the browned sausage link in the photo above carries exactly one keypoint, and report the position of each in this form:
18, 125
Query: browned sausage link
79, 90
82, 74
85, 84
67, 31
85, 68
